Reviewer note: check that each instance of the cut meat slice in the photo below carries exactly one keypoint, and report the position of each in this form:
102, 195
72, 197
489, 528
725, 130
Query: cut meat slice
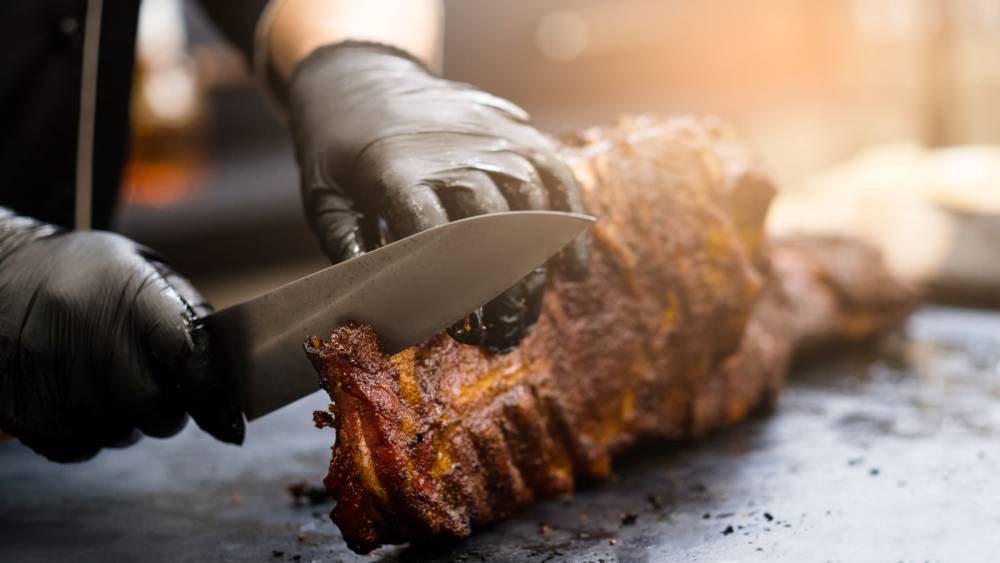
687, 322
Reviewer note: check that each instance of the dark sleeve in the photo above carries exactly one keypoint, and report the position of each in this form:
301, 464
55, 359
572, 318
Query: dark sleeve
237, 20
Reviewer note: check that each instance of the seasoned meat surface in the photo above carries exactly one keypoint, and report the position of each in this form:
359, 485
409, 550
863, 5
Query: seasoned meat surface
687, 322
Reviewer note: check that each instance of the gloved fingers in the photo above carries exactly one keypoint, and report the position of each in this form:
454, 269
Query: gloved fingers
375, 231
333, 216
502, 323
179, 359
340, 234
62, 451
466, 193
142, 391
187, 292
412, 209
470, 329
560, 183
226, 420
130, 438
205, 395
108, 431
564, 195
503, 320
81, 434
218, 417
134, 390
469, 192
534, 290
163, 421
517, 180
510, 317
392, 181
504, 107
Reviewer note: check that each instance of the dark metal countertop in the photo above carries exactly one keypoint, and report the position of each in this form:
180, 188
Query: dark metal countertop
896, 460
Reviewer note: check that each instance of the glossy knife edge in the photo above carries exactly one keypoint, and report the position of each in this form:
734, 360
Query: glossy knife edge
408, 290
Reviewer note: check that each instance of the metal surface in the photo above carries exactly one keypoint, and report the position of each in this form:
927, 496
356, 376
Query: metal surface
408, 290
892, 460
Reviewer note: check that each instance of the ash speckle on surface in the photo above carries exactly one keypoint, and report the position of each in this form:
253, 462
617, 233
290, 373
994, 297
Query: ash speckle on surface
728, 530
655, 501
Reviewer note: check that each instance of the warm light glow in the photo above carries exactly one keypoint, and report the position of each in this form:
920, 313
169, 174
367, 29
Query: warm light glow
562, 35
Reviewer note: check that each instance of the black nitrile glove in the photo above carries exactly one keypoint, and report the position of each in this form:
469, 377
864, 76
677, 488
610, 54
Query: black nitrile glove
99, 340
379, 138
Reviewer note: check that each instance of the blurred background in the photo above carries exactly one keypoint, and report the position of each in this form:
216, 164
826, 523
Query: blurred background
810, 84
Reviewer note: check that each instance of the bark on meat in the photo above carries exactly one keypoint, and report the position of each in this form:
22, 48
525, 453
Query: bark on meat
687, 322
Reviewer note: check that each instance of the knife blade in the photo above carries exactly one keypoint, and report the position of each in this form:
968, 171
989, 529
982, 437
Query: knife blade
408, 290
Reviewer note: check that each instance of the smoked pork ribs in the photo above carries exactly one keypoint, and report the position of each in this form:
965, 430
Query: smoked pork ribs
687, 322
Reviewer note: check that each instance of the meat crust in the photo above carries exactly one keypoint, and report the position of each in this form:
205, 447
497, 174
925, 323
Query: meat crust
687, 322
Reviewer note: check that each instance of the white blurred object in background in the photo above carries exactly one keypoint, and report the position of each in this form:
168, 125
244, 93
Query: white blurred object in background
167, 88
168, 110
562, 35
935, 214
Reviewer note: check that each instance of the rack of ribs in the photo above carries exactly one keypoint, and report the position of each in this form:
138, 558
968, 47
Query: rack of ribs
688, 321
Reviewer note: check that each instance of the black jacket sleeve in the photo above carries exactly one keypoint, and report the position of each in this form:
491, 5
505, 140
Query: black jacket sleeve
237, 20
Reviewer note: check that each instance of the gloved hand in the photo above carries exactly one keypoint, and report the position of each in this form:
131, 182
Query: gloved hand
380, 139
99, 340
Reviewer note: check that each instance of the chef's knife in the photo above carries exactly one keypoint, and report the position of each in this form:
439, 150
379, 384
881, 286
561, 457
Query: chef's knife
408, 290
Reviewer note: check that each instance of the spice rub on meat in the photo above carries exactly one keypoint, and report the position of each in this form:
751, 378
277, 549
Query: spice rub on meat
687, 322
